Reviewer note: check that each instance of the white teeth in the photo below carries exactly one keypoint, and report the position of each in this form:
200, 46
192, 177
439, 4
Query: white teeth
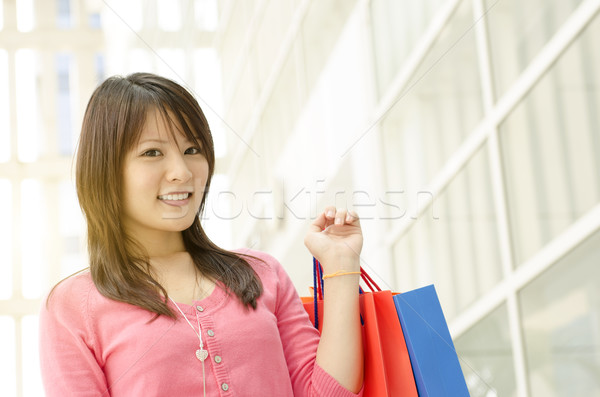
180, 196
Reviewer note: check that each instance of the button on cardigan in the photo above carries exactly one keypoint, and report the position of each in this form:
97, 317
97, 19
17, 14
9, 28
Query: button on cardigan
94, 346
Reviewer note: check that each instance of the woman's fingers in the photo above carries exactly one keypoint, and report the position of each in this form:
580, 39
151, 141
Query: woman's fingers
335, 216
343, 216
334, 234
340, 216
352, 218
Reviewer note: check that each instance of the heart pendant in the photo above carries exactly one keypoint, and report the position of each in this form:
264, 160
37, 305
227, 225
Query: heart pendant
201, 354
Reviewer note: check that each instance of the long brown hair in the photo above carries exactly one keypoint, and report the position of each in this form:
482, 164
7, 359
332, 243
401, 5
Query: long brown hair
112, 124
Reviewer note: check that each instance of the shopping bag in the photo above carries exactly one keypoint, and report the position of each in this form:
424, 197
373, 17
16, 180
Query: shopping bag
432, 355
314, 304
387, 365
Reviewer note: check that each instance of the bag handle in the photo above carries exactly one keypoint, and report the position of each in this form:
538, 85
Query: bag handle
319, 287
369, 281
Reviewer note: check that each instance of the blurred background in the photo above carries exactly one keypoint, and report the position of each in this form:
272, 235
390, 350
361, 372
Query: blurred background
466, 133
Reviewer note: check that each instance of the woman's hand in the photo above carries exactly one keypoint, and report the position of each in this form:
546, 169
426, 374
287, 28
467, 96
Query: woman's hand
335, 239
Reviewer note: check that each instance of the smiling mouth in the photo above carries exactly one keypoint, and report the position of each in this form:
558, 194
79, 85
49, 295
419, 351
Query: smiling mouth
175, 197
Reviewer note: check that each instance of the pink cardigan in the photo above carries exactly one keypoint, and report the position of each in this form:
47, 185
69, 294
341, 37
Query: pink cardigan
94, 346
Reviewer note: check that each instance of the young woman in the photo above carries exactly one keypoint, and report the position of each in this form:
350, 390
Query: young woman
162, 310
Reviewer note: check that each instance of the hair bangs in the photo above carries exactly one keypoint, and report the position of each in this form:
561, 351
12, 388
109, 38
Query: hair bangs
113, 124
178, 124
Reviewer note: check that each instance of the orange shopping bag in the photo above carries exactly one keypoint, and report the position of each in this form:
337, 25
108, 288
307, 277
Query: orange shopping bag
388, 371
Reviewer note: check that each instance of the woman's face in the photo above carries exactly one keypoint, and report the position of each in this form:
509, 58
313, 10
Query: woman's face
164, 178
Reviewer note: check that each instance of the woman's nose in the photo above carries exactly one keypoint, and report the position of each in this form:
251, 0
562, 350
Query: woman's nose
178, 169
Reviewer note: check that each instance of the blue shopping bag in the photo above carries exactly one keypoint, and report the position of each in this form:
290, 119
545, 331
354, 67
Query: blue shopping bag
432, 355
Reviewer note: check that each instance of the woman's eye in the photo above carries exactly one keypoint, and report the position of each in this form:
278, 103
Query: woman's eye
152, 153
193, 150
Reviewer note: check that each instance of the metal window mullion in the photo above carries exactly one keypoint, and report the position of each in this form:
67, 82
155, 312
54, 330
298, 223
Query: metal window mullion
293, 233
528, 78
224, 19
514, 284
48, 93
579, 231
500, 204
563, 243
15, 179
44, 14
382, 263
55, 245
12, 99
17, 273
514, 319
10, 16
398, 86
19, 354
268, 88
574, 235
80, 12
248, 43
380, 243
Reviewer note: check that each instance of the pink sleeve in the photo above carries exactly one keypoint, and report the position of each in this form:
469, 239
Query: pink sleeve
300, 340
69, 366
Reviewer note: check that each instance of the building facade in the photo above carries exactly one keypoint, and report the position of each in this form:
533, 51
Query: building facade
466, 133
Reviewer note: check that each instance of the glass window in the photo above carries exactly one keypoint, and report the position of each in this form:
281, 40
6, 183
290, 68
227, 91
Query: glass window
66, 138
95, 20
561, 323
140, 60
171, 63
100, 67
28, 126
207, 14
397, 26
321, 29
413, 260
25, 15
8, 373
551, 148
268, 44
32, 379
63, 19
130, 13
169, 15
4, 108
217, 212
438, 109
207, 76
319, 118
284, 106
231, 41
455, 243
6, 232
71, 229
71, 222
517, 32
33, 227
486, 358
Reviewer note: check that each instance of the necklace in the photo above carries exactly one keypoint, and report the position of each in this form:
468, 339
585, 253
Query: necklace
201, 353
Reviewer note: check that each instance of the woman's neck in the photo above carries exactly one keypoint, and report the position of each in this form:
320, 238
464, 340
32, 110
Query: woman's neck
178, 274
159, 244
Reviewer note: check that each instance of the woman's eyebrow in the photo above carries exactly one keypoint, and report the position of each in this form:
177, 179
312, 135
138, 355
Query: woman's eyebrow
186, 141
154, 140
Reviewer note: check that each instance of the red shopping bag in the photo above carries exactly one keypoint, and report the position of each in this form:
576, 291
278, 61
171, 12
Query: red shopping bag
388, 371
